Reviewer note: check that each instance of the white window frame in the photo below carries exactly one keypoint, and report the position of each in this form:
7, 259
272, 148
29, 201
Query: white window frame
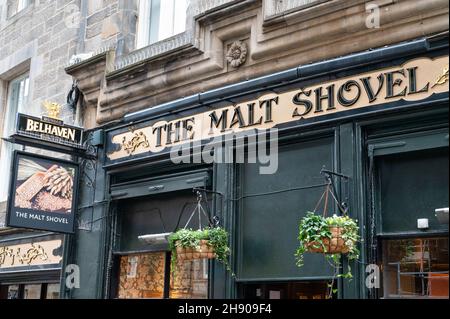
16, 103
149, 28
21, 5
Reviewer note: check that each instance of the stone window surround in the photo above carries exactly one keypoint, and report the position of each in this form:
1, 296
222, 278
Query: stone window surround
276, 8
187, 39
6, 21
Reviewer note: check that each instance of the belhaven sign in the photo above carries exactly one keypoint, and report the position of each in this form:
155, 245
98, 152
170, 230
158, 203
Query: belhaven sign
49, 129
415, 80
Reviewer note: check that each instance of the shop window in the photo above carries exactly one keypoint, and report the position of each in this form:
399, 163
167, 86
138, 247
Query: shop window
415, 268
13, 292
30, 291
291, 290
52, 291
160, 19
413, 186
144, 276
18, 92
190, 280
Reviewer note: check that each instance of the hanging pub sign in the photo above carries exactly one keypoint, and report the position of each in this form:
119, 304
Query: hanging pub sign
43, 193
48, 129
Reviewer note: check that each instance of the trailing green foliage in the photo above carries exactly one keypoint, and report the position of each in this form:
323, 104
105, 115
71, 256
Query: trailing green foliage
187, 238
314, 229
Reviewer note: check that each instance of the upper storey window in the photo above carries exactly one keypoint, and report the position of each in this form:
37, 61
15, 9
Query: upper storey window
160, 19
15, 6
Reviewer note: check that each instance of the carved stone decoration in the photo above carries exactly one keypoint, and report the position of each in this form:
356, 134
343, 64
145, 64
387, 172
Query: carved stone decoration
237, 54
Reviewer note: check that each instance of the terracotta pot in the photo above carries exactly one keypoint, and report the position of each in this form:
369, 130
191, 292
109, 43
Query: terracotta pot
203, 252
333, 245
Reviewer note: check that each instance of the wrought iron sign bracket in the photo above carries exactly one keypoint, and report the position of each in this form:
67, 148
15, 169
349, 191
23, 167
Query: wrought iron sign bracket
329, 176
214, 219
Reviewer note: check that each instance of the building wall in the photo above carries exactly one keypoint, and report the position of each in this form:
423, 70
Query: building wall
43, 38
278, 35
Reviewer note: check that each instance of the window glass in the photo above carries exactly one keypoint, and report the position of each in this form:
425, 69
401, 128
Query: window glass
289, 290
412, 186
13, 292
52, 291
142, 276
15, 6
160, 19
18, 92
190, 280
32, 291
415, 268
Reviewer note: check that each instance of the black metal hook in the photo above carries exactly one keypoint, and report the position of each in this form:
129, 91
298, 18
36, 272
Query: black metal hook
329, 177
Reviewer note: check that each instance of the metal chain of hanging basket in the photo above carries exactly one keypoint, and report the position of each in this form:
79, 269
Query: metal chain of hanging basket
204, 250
336, 244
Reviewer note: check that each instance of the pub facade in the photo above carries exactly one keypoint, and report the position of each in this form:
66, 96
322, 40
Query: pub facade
248, 121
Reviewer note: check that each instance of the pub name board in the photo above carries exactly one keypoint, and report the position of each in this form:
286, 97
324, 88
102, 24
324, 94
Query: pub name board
49, 129
413, 81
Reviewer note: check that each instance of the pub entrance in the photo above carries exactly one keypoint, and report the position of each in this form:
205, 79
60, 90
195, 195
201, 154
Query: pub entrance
142, 268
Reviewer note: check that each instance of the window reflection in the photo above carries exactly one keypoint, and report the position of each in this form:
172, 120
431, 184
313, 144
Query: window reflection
142, 276
13, 292
52, 291
32, 292
190, 280
415, 268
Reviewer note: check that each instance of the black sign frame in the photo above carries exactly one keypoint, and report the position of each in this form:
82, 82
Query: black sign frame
21, 136
67, 221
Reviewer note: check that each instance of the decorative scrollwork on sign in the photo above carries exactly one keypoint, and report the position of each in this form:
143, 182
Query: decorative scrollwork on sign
16, 257
138, 140
88, 164
443, 78
237, 54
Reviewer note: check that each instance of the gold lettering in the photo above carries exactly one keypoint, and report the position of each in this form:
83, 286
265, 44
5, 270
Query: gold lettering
71, 134
30, 125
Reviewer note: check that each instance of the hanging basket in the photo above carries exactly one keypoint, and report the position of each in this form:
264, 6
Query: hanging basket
333, 245
204, 251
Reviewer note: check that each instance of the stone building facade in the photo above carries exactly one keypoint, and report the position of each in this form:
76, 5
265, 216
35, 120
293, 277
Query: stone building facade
231, 54
138, 62
38, 39
278, 35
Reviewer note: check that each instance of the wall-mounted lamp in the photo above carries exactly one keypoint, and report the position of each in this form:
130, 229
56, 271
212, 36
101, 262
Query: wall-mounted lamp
442, 215
155, 239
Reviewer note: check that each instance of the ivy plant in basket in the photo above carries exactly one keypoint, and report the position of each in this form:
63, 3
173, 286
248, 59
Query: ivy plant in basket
332, 236
209, 243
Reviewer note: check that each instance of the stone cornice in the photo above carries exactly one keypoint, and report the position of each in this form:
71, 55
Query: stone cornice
273, 46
